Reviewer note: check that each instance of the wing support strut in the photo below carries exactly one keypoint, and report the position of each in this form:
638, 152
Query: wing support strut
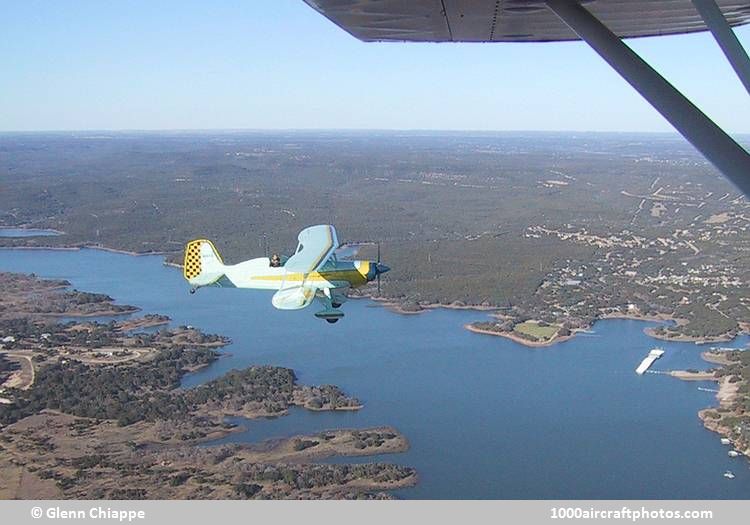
716, 145
726, 39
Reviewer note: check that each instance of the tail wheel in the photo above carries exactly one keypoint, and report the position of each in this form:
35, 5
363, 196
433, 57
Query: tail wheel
332, 320
336, 305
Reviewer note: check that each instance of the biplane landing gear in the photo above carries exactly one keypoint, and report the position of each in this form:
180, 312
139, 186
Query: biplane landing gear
329, 314
192, 291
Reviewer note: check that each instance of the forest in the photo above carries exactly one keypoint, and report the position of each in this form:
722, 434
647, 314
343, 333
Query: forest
454, 213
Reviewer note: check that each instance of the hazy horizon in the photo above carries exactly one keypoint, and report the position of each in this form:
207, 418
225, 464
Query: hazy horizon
671, 133
280, 65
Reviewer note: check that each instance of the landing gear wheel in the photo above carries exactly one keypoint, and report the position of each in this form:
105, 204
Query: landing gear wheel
331, 320
336, 305
192, 291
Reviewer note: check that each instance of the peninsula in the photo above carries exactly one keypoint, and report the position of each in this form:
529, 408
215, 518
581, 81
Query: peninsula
731, 418
93, 410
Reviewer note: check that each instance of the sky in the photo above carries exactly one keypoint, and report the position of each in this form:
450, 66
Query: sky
277, 64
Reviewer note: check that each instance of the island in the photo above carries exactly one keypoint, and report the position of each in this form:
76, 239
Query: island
95, 410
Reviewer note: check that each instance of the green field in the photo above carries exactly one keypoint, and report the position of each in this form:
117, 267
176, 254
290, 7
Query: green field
531, 328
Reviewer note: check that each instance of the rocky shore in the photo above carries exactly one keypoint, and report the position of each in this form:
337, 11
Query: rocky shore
730, 418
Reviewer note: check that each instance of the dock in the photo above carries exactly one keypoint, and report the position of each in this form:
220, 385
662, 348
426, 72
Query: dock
652, 356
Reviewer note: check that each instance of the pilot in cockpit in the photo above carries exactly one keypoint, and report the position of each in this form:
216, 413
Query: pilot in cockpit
275, 261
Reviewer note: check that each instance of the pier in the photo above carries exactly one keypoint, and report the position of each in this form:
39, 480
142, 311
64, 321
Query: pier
652, 356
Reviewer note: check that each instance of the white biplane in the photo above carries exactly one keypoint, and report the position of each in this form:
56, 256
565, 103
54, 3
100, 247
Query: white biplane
313, 272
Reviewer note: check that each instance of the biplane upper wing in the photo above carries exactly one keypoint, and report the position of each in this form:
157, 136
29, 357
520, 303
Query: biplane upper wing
316, 245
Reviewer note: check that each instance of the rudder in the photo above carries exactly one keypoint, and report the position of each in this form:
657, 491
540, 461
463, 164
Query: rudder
202, 265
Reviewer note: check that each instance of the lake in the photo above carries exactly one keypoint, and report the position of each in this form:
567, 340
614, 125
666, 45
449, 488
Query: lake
27, 232
486, 417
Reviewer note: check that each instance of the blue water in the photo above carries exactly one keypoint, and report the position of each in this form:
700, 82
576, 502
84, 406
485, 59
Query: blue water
486, 417
27, 232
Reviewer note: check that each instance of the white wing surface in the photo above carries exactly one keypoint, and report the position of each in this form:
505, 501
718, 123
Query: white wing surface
316, 245
293, 298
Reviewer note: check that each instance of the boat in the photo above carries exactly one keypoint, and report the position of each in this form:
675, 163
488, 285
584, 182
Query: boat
733, 453
652, 356
725, 441
728, 474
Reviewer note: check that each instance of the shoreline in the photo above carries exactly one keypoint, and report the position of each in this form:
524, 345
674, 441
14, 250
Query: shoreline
726, 395
82, 247
395, 307
608, 316
686, 375
519, 339
649, 331
29, 227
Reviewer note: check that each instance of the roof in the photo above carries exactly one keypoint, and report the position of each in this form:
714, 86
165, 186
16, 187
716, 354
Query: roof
512, 20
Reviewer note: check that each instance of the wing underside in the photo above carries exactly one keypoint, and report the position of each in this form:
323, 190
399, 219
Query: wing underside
512, 20
293, 298
316, 245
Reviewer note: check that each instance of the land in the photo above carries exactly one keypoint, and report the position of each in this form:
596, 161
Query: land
31, 296
528, 333
731, 418
551, 232
94, 410
559, 229
54, 455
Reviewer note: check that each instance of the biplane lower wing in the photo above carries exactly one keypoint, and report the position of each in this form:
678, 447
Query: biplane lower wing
316, 245
293, 298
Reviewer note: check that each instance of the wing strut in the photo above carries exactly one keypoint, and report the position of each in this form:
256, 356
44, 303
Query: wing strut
726, 39
718, 147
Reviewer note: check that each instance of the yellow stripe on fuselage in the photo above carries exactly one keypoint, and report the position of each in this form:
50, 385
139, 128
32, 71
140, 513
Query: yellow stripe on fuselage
355, 277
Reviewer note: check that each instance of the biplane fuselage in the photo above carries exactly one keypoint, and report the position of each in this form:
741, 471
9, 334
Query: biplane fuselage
259, 274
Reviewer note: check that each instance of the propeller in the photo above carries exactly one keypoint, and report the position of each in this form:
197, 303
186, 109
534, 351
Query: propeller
380, 268
377, 265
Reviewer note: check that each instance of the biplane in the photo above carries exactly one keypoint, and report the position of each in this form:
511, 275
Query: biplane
317, 270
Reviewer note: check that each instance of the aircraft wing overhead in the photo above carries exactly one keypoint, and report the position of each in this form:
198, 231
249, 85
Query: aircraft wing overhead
602, 24
316, 245
512, 20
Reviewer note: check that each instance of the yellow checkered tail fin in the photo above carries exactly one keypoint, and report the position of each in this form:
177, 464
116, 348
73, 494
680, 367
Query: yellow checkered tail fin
202, 265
